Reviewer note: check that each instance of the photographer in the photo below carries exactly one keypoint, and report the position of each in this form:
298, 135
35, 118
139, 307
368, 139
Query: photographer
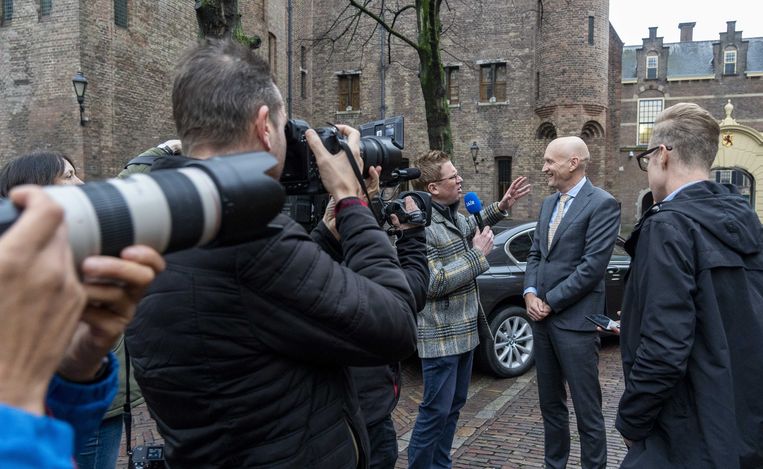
52, 321
242, 352
378, 387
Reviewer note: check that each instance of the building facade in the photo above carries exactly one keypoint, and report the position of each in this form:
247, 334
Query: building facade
713, 74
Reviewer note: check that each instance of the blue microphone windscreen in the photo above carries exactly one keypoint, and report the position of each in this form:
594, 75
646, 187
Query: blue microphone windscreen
472, 202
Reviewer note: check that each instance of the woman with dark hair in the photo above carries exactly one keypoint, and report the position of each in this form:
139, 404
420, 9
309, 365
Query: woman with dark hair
42, 168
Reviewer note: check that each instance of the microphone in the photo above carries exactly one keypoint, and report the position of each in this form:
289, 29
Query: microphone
474, 206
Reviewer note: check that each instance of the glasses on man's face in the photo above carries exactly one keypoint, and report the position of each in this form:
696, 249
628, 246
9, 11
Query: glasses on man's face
454, 177
643, 157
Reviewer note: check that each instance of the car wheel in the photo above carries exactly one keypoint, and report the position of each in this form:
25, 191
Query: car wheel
511, 350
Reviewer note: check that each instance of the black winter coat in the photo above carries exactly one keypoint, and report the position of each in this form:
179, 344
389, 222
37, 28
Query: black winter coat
242, 352
378, 387
692, 329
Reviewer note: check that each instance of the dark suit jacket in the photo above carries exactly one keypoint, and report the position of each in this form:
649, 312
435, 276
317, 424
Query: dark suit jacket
569, 274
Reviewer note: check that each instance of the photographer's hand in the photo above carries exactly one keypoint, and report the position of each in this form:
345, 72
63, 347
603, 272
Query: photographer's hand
114, 287
41, 299
329, 218
410, 207
372, 182
336, 172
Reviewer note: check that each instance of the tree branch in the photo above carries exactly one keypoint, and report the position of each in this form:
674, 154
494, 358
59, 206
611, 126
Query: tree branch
384, 25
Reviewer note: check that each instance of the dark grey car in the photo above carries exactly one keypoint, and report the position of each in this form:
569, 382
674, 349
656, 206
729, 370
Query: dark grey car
511, 352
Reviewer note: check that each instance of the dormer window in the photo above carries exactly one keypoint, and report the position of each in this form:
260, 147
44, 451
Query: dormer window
652, 61
730, 61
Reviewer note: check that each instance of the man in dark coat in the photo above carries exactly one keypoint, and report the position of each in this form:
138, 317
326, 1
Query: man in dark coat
242, 351
692, 317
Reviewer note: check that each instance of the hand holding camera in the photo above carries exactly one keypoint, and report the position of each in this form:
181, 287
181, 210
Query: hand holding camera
337, 174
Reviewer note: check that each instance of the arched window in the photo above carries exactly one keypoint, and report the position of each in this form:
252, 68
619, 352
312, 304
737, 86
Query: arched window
591, 130
740, 178
546, 131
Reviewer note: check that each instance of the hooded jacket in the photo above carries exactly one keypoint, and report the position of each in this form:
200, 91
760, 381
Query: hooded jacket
692, 328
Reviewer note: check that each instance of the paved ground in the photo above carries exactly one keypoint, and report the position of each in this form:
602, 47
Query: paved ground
500, 425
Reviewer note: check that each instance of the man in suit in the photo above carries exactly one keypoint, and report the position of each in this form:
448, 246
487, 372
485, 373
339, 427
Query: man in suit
564, 282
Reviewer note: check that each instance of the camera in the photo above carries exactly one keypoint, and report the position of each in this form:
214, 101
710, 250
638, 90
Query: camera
422, 216
147, 457
300, 174
215, 202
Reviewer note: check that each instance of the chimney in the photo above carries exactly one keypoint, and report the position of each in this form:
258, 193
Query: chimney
731, 27
687, 29
653, 32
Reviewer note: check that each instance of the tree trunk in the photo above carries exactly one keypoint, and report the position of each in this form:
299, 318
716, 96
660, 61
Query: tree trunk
217, 18
432, 76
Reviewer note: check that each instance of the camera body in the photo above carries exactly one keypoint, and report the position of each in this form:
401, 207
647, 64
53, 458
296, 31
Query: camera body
300, 174
422, 217
148, 457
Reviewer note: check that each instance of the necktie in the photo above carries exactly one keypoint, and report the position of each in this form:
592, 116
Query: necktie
558, 218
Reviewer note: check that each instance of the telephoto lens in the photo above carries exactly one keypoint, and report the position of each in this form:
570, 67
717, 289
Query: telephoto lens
216, 202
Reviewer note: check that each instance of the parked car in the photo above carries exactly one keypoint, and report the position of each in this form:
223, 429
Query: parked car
510, 351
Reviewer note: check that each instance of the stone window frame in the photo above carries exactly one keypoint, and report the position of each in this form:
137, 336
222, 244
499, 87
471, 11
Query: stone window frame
494, 83
655, 68
349, 100
503, 165
730, 51
646, 120
273, 54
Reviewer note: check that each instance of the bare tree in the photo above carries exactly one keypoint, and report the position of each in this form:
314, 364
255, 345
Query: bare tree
426, 44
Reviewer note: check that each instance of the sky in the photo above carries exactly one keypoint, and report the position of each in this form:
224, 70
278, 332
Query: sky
632, 18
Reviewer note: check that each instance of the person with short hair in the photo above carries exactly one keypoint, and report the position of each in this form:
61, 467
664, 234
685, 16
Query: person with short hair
448, 329
692, 315
564, 282
242, 351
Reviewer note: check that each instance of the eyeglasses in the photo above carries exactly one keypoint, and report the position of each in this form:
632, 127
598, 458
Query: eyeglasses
643, 157
454, 177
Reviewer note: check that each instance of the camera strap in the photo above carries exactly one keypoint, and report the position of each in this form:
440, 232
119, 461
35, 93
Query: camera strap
127, 408
359, 175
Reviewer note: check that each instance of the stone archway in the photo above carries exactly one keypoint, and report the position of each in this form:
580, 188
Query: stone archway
742, 147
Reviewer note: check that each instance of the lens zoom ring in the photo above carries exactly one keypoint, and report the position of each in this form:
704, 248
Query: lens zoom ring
185, 206
113, 217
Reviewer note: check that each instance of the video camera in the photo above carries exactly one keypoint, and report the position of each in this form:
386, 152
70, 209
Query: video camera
215, 202
380, 145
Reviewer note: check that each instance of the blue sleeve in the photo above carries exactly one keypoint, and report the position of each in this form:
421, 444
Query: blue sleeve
30, 441
83, 405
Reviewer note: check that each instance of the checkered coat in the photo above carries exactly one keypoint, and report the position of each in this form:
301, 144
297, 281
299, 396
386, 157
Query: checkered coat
448, 323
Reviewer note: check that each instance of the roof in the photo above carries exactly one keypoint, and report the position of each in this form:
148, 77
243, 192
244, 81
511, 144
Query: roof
690, 59
755, 55
629, 62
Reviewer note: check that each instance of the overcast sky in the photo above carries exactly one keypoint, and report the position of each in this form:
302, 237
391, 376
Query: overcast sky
632, 18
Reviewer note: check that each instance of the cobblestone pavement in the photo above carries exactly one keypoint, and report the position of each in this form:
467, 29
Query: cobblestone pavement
500, 425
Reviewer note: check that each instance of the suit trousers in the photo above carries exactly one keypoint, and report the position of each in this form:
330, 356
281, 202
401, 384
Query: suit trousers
572, 356
446, 384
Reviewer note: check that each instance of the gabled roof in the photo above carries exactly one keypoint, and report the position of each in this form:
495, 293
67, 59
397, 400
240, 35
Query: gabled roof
755, 55
690, 59
629, 63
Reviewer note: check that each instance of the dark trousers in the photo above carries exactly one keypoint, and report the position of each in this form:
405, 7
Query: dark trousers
571, 356
383, 446
446, 384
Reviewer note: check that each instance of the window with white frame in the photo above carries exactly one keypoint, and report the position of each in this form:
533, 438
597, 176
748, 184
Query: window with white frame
647, 113
652, 60
730, 61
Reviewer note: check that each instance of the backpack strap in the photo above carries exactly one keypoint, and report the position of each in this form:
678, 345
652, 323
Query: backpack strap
147, 160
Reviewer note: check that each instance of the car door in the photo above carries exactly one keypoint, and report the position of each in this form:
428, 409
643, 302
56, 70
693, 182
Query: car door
615, 278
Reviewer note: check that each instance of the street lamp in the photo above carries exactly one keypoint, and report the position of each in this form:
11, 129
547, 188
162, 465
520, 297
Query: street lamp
80, 85
474, 149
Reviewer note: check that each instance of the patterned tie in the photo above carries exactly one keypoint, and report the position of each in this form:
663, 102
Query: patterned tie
558, 218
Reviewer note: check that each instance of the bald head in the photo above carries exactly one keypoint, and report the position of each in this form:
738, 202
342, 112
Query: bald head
565, 162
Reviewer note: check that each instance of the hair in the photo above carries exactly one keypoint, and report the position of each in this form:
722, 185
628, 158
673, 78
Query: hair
39, 167
691, 131
220, 85
430, 165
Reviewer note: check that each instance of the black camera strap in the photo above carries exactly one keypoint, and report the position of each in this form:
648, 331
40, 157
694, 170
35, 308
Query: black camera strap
127, 408
358, 174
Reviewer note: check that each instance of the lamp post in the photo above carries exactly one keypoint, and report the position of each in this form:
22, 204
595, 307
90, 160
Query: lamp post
80, 85
474, 149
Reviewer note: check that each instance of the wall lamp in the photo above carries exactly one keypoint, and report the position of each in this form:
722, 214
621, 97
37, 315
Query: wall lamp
474, 149
80, 85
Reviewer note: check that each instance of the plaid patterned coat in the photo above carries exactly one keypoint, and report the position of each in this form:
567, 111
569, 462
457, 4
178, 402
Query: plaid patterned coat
448, 323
